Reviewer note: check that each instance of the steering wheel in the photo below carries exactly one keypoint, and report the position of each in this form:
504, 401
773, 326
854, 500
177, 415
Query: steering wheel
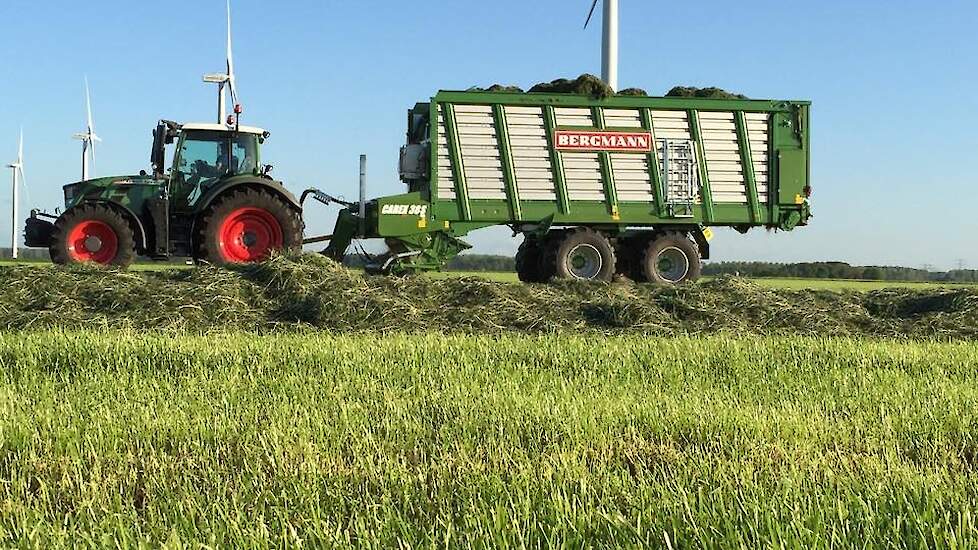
197, 168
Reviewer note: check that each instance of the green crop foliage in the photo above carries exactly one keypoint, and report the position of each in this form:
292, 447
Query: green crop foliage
371, 440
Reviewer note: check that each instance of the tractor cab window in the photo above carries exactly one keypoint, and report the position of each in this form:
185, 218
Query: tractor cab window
244, 154
204, 157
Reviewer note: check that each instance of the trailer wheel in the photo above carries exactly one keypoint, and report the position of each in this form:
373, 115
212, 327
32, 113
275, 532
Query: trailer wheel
246, 226
529, 261
671, 259
94, 233
582, 254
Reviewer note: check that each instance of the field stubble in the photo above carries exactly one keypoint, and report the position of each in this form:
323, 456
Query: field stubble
485, 440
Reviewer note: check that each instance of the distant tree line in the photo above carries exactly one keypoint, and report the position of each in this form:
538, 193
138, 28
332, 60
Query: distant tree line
26, 253
838, 270
465, 262
808, 270
482, 262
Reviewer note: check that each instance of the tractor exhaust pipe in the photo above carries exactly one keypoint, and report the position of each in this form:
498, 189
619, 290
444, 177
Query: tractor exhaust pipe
363, 196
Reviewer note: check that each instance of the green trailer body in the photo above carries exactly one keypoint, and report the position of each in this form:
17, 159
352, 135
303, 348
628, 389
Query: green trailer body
538, 161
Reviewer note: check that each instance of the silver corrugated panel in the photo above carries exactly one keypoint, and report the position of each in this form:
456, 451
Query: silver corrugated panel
480, 152
622, 118
446, 180
758, 129
632, 181
722, 153
582, 173
671, 125
531, 153
567, 116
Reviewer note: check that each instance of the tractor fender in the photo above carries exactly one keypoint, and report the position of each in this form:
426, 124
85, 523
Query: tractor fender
275, 187
136, 222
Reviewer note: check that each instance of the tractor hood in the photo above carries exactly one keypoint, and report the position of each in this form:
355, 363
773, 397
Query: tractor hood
112, 188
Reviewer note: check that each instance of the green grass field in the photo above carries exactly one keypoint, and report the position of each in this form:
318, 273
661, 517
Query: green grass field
370, 440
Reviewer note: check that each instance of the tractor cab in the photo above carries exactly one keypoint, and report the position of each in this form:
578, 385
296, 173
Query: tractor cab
204, 155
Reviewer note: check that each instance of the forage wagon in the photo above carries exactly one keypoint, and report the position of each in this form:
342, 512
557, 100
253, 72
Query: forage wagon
596, 187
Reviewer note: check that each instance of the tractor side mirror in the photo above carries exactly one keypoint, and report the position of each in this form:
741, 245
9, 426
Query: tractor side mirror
267, 170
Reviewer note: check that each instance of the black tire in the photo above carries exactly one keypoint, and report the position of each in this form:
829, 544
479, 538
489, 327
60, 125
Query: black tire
529, 261
582, 254
629, 252
102, 224
671, 259
270, 213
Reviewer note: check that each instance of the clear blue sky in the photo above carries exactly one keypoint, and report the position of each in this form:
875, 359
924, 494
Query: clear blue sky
895, 87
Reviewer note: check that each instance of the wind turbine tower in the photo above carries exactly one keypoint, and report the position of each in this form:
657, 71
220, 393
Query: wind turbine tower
609, 41
18, 169
88, 138
225, 79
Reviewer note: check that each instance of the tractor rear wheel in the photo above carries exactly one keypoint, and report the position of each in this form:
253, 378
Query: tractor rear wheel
529, 261
671, 259
246, 226
94, 233
582, 254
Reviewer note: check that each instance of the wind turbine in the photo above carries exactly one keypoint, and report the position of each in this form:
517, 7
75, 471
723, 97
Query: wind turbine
88, 137
18, 169
225, 79
609, 49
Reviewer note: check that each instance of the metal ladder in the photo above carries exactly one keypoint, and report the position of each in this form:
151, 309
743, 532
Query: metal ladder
680, 176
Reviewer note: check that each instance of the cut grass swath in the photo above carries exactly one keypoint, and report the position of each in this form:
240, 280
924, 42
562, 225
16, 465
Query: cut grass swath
298, 292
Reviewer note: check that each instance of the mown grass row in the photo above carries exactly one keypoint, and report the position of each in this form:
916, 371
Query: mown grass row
309, 292
485, 441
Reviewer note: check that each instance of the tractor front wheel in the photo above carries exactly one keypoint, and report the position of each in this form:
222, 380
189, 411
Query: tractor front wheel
93, 233
246, 226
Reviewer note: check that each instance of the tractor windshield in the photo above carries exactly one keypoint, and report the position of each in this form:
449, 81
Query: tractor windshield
204, 157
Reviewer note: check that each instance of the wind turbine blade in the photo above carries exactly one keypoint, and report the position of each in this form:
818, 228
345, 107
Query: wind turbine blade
591, 14
20, 148
23, 185
88, 106
230, 55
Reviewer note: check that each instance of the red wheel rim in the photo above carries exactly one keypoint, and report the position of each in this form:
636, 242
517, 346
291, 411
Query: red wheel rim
93, 241
249, 234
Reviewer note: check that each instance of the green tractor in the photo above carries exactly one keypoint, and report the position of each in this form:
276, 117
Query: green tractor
215, 203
